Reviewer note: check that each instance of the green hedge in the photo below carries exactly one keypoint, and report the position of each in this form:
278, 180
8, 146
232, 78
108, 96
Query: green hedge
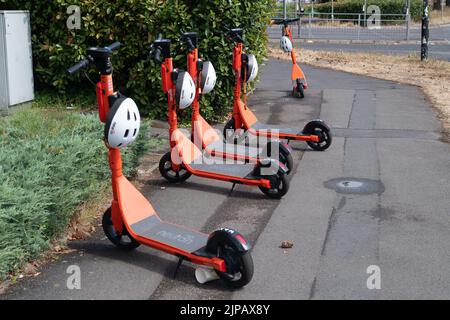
136, 23
51, 161
386, 6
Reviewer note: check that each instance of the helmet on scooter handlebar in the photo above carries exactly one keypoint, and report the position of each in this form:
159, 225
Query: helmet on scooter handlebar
209, 77
251, 65
286, 44
185, 90
122, 122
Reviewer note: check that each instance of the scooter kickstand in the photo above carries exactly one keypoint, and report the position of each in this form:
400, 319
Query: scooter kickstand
232, 188
180, 261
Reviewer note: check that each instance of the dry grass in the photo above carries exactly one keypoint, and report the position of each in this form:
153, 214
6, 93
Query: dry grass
437, 18
433, 76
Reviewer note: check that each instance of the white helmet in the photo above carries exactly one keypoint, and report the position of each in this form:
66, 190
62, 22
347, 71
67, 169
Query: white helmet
286, 44
185, 90
251, 65
122, 123
209, 77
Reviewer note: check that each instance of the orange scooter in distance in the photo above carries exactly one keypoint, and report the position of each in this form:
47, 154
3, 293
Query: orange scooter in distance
298, 77
131, 219
316, 133
204, 136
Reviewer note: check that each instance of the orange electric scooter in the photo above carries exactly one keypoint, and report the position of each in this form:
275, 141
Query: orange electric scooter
131, 219
205, 137
298, 77
186, 159
316, 133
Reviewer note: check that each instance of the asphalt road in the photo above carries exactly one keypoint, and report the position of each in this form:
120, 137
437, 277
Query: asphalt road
391, 211
436, 51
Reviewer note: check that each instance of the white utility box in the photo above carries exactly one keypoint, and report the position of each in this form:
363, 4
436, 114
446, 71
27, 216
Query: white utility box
16, 62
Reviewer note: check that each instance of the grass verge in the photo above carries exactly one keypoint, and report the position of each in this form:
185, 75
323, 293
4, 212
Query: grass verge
432, 76
53, 166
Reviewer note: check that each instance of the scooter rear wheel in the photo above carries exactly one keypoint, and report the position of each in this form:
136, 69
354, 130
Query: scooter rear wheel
239, 266
284, 156
123, 241
299, 90
279, 186
287, 160
166, 170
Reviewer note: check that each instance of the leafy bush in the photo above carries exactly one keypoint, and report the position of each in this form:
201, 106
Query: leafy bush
136, 23
51, 161
386, 6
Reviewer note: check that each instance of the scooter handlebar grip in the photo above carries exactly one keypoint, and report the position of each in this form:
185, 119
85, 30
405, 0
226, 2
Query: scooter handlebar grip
114, 46
80, 65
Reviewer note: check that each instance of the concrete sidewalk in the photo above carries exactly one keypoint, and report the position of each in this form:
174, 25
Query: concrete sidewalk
393, 214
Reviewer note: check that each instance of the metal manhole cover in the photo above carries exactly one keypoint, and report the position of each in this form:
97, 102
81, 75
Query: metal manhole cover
355, 185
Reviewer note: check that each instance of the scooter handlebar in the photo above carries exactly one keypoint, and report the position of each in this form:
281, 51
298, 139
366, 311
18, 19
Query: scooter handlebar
87, 61
235, 34
285, 21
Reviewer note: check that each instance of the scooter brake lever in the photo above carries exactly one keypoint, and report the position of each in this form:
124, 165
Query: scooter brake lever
155, 53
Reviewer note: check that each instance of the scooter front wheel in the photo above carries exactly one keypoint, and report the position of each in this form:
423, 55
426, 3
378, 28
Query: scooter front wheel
230, 134
239, 267
279, 186
123, 241
322, 131
166, 170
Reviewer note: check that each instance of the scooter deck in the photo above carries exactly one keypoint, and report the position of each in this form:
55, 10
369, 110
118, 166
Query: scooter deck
153, 228
226, 169
141, 218
233, 149
214, 142
201, 160
258, 126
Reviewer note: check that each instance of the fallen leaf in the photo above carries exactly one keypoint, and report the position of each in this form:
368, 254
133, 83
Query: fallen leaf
29, 268
287, 244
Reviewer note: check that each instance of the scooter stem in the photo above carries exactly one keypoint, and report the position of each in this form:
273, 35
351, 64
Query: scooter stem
192, 59
166, 70
287, 31
237, 64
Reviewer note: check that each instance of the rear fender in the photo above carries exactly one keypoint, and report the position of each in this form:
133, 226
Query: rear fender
225, 235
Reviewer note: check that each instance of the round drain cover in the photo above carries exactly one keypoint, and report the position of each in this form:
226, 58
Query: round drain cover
355, 185
350, 184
